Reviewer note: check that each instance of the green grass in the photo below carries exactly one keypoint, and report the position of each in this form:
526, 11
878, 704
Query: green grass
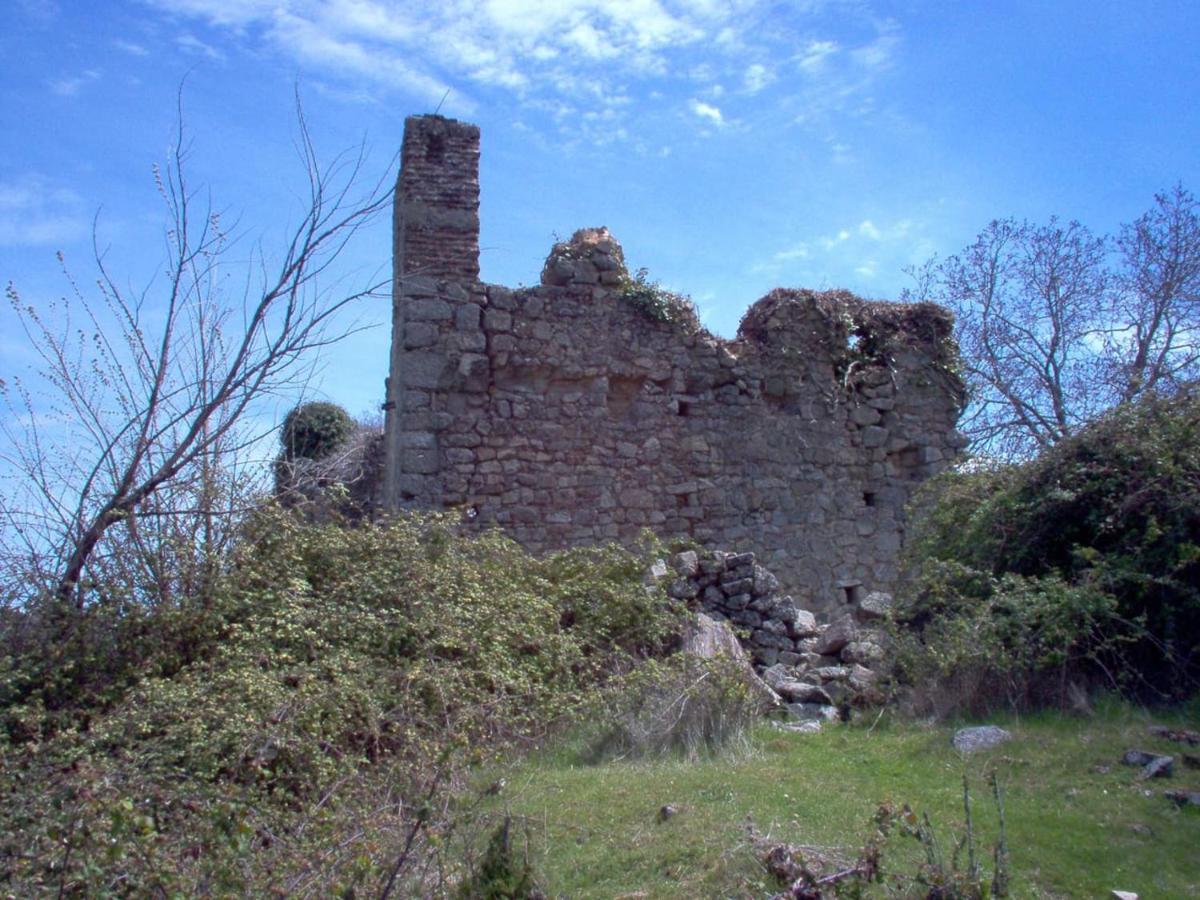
1073, 831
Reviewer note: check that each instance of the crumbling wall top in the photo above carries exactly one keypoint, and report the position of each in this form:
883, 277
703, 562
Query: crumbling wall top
838, 322
592, 256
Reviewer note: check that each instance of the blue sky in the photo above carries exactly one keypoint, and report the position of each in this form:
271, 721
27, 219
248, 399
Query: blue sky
730, 146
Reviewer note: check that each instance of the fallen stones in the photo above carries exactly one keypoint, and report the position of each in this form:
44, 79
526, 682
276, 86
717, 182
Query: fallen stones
1154, 765
876, 605
802, 692
709, 638
818, 712
1179, 735
1183, 798
980, 737
836, 636
813, 668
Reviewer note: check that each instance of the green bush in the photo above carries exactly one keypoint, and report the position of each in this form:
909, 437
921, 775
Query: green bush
682, 704
658, 303
973, 643
315, 430
332, 664
501, 875
1084, 561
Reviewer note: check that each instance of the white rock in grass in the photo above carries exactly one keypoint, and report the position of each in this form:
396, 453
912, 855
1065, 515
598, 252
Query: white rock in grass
982, 737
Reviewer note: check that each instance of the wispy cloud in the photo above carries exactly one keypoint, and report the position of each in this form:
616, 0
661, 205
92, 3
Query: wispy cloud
866, 249
70, 85
571, 54
192, 44
756, 77
36, 212
814, 56
131, 48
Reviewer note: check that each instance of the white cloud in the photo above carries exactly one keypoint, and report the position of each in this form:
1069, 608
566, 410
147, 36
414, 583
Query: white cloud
131, 48
878, 54
799, 251
706, 111
814, 56
559, 51
36, 212
868, 230
830, 241
70, 85
756, 77
192, 44
324, 49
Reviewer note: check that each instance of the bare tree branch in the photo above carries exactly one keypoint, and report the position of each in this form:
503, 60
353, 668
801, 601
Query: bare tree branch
154, 389
1055, 324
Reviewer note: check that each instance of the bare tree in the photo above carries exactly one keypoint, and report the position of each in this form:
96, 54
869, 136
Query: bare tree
1055, 324
1155, 341
127, 444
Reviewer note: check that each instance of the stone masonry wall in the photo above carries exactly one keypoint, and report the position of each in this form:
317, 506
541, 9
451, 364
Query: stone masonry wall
569, 414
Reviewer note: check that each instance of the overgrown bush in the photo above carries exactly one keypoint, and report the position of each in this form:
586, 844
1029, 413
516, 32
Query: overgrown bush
658, 303
315, 430
501, 875
683, 704
1082, 564
338, 683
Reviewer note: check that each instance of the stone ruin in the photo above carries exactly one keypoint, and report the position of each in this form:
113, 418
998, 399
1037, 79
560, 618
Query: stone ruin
818, 671
594, 406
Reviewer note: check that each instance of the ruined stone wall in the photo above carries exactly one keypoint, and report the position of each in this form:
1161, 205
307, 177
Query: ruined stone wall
570, 413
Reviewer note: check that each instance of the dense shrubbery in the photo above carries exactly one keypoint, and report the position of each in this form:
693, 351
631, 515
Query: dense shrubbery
1082, 565
658, 303
315, 430
683, 704
334, 679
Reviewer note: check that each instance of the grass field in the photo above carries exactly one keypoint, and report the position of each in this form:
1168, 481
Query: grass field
1079, 824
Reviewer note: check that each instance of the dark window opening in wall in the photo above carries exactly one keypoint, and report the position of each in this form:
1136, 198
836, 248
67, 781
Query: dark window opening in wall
685, 409
869, 498
853, 593
435, 148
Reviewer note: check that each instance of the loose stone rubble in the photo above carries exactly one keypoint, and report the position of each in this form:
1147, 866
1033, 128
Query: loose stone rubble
819, 671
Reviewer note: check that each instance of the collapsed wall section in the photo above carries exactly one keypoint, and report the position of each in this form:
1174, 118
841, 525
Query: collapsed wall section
576, 412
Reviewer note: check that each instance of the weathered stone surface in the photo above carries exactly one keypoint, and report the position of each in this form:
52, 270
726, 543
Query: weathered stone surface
777, 674
683, 589
708, 638
981, 737
687, 564
801, 692
865, 653
875, 605
1153, 765
804, 625
570, 414
836, 636
813, 712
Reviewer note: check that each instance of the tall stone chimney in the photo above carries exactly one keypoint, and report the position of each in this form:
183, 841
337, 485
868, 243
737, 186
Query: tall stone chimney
437, 201
435, 294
